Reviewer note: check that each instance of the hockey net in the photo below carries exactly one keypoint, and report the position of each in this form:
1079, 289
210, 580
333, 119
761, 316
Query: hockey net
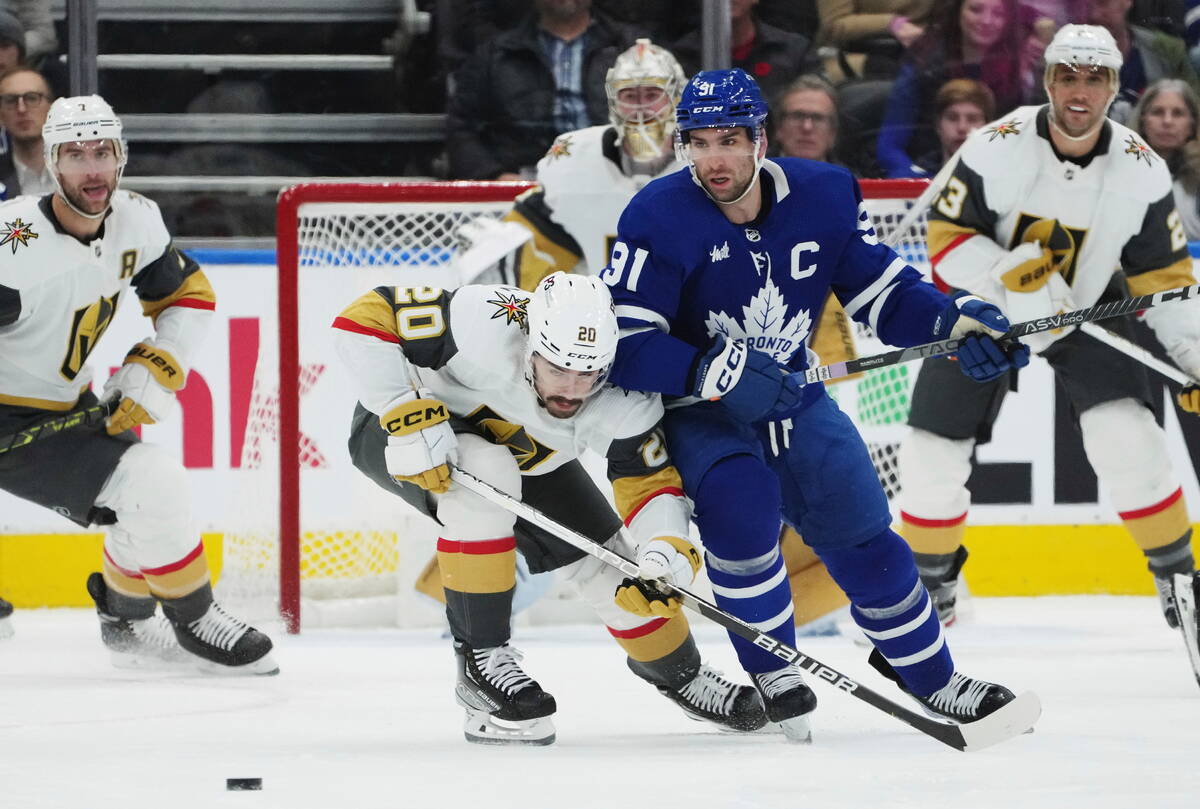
313, 536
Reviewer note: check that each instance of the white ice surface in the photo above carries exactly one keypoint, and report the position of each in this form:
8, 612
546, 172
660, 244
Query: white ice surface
366, 719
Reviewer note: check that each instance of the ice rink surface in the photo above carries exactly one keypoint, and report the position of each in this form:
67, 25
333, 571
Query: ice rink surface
363, 719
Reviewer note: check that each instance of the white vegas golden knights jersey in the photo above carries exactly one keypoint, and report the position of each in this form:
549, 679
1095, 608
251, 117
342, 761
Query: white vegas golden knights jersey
1113, 212
467, 346
58, 295
574, 210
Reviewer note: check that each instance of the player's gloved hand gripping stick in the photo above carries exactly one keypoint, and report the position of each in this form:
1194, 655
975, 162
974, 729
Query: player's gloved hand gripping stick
1011, 720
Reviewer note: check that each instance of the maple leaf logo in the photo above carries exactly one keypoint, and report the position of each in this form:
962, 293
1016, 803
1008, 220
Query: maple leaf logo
765, 324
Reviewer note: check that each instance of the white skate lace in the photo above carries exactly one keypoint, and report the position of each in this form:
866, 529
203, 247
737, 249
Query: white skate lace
776, 683
499, 665
961, 696
218, 628
155, 631
710, 691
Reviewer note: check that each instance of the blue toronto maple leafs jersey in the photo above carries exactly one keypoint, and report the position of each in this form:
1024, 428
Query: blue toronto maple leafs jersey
681, 273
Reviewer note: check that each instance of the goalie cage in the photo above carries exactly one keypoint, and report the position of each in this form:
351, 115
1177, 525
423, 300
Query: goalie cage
336, 548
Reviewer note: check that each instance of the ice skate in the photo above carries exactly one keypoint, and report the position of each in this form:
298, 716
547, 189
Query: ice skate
222, 644
942, 582
1165, 585
134, 643
504, 704
6, 611
788, 700
709, 697
1187, 592
963, 699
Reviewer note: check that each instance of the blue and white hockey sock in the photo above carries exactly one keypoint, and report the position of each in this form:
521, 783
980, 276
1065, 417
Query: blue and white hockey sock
756, 591
893, 609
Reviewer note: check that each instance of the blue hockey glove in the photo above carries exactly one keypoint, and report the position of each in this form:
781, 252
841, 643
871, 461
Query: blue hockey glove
749, 383
981, 357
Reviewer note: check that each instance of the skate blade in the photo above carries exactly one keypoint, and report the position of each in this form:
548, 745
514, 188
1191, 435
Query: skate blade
483, 728
797, 729
722, 726
265, 666
1185, 600
6, 629
134, 661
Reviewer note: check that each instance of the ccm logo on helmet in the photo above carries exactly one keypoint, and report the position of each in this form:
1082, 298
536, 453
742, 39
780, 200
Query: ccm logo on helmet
707, 109
407, 421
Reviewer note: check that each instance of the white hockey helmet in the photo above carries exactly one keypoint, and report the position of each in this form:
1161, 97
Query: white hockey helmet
572, 324
1084, 47
79, 119
645, 130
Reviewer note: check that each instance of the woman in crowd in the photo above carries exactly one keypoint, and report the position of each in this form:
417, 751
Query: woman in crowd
1166, 117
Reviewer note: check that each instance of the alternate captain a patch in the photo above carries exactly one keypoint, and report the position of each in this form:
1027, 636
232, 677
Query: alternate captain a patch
511, 307
17, 233
1003, 129
1139, 150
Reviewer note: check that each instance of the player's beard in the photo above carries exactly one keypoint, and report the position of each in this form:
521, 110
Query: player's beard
733, 190
560, 407
74, 195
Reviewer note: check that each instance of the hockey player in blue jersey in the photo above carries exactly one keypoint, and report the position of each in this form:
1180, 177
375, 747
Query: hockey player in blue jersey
715, 273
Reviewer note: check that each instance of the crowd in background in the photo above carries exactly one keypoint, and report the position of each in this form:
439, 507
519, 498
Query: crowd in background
888, 88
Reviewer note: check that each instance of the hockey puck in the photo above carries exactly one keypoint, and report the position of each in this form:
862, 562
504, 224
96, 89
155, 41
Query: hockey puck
241, 784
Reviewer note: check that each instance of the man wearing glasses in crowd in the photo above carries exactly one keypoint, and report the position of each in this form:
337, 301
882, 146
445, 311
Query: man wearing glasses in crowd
24, 101
806, 121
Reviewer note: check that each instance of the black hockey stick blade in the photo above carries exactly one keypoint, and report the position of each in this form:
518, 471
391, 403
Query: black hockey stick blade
52, 426
1100, 311
1013, 719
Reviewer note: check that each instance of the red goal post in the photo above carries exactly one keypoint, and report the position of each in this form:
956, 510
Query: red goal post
402, 230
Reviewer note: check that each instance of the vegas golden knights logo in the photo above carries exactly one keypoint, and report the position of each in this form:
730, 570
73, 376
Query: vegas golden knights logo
87, 327
527, 450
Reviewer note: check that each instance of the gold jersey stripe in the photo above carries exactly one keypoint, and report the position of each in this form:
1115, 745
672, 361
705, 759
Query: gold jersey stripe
662, 638
195, 287
123, 583
372, 312
933, 538
941, 234
180, 582
1161, 527
39, 404
631, 493
478, 573
1172, 276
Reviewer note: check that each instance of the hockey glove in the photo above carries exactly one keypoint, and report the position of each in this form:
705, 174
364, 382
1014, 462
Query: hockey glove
1033, 288
145, 386
421, 444
667, 558
1189, 399
980, 356
1025, 268
749, 383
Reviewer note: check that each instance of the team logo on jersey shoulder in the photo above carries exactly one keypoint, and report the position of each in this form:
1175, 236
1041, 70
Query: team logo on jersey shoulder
511, 307
17, 233
1004, 129
765, 325
560, 148
1139, 150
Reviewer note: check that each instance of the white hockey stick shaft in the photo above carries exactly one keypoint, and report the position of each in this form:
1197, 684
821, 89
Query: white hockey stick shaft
1131, 349
921, 204
1011, 720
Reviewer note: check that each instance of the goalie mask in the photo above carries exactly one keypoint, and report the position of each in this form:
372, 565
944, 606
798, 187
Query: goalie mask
572, 340
90, 123
643, 86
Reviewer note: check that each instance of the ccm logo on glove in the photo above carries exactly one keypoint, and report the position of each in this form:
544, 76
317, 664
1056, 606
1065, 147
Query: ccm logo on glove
415, 415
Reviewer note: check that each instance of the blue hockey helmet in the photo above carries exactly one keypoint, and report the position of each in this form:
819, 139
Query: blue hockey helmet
717, 99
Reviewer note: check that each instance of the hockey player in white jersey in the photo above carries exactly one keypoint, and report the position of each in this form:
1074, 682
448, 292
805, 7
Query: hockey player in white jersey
449, 377
69, 260
1044, 208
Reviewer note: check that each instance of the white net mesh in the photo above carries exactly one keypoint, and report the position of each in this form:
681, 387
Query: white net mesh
361, 549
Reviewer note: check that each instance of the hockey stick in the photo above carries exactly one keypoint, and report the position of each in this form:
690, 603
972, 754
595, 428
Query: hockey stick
1135, 351
1100, 311
1011, 720
53, 426
921, 204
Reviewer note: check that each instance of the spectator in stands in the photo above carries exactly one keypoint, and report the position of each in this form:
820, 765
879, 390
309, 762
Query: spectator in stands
37, 24
1166, 116
524, 87
12, 41
771, 55
1191, 35
1149, 55
24, 102
972, 39
962, 106
846, 22
806, 119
